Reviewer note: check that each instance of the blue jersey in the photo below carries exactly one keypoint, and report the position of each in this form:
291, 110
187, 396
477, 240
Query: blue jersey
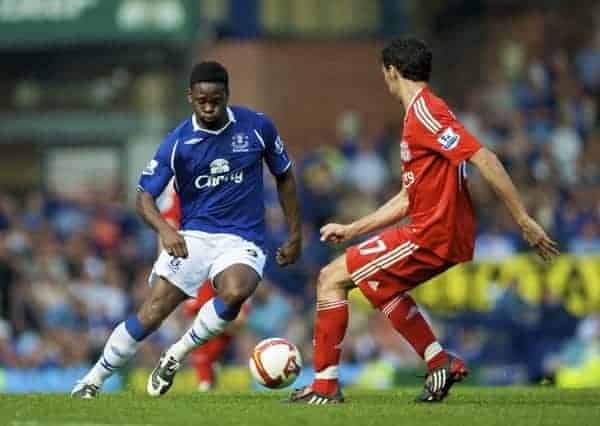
219, 174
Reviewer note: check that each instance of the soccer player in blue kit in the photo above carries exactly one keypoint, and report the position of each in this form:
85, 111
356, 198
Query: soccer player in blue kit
215, 158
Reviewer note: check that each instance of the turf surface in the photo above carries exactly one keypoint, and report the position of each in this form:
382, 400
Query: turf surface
467, 406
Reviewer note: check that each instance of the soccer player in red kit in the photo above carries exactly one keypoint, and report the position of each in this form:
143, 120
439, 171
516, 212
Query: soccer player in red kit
440, 233
204, 357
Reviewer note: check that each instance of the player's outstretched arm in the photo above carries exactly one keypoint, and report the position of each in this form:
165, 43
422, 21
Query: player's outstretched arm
288, 198
495, 174
391, 212
171, 240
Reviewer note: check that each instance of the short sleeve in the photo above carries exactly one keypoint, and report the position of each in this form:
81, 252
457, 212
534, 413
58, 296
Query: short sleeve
440, 131
275, 153
159, 170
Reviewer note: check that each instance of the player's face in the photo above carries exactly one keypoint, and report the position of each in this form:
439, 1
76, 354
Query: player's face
209, 102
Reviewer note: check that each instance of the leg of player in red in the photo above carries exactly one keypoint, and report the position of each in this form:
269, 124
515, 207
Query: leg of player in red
385, 268
205, 358
383, 288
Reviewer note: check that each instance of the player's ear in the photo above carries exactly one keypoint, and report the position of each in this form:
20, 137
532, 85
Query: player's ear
388, 72
189, 95
226, 93
383, 70
393, 73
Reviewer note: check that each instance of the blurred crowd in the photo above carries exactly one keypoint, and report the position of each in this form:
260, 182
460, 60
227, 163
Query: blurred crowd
72, 267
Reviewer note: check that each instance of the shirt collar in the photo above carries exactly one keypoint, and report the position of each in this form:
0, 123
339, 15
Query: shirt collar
414, 98
230, 119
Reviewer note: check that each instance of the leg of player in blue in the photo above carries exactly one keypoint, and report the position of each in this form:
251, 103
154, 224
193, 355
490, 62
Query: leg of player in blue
123, 343
234, 285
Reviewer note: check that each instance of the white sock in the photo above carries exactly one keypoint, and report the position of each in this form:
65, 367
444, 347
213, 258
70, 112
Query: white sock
206, 325
120, 348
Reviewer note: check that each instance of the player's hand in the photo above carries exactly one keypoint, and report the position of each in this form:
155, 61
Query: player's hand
336, 233
536, 237
173, 243
289, 252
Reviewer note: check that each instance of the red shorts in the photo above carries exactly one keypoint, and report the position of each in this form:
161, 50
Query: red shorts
391, 263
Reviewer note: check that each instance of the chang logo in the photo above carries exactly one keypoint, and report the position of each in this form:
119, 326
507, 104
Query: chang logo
219, 173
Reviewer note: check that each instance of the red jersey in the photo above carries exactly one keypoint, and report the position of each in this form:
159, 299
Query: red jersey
434, 150
170, 208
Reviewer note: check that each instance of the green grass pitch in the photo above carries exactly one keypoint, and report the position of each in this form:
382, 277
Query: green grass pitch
466, 406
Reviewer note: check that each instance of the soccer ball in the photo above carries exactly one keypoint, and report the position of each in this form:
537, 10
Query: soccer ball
275, 363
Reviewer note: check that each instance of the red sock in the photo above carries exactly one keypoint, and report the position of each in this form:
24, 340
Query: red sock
405, 317
330, 327
205, 372
205, 356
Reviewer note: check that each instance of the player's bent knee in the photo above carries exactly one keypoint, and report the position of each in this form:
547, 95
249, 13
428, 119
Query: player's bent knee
329, 283
324, 279
236, 294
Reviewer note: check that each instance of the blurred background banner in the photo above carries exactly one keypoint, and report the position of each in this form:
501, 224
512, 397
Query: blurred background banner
50, 23
90, 88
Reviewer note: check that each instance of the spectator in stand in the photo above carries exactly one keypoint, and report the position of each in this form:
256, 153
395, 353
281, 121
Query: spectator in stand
588, 64
588, 242
497, 244
7, 280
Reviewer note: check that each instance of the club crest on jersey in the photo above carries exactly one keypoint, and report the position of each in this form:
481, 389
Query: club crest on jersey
448, 139
240, 142
405, 152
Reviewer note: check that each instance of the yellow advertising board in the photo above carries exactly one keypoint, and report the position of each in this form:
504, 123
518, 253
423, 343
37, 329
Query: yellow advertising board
574, 280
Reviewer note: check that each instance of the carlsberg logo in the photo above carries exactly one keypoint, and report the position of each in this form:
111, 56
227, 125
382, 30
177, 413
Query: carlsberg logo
219, 173
44, 10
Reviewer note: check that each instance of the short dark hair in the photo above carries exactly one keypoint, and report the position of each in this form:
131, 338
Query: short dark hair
209, 71
411, 57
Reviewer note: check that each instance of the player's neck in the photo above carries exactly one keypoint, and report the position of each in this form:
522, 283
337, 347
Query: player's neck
214, 126
407, 91
217, 125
